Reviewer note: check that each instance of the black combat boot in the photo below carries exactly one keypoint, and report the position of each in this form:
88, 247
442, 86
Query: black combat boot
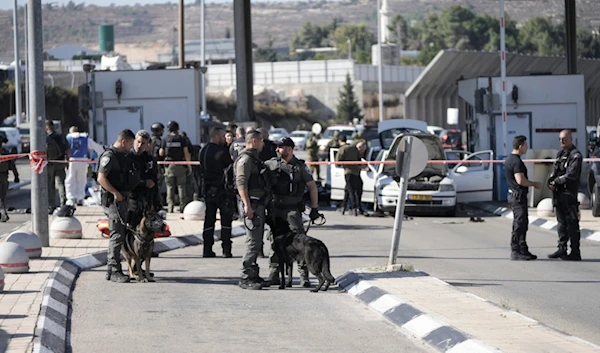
525, 251
560, 253
249, 283
575, 255
273, 279
519, 256
116, 275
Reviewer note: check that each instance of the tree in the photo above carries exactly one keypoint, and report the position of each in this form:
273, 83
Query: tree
588, 44
539, 36
267, 54
348, 108
360, 36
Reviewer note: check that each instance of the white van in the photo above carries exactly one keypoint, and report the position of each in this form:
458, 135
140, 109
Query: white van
14, 139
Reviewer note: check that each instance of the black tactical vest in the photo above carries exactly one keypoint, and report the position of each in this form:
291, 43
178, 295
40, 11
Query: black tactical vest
174, 148
260, 181
126, 176
288, 180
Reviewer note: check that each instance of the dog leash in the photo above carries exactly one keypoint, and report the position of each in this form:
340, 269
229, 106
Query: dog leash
120, 219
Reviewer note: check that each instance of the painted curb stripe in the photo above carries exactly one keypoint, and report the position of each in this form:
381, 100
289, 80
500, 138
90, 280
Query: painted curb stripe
445, 337
16, 264
422, 325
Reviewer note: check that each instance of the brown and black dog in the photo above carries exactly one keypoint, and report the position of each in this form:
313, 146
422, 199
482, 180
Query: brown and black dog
290, 247
139, 245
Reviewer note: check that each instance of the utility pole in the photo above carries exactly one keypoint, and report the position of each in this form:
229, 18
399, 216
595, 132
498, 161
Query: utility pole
202, 54
37, 116
380, 61
25, 25
181, 35
18, 101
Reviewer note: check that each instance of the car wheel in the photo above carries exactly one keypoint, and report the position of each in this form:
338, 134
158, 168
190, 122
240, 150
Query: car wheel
595, 200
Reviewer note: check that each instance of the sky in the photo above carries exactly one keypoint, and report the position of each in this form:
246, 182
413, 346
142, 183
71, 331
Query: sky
8, 4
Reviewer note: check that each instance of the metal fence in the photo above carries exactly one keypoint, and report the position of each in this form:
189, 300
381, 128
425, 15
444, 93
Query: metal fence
64, 79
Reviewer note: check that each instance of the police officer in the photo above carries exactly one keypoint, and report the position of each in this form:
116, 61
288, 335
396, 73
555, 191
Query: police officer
291, 178
518, 187
175, 149
270, 149
239, 143
564, 182
56, 171
157, 130
5, 166
118, 176
214, 162
253, 185
312, 147
145, 193
190, 184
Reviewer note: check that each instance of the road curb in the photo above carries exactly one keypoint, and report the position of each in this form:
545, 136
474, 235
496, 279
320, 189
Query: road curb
440, 336
52, 325
505, 212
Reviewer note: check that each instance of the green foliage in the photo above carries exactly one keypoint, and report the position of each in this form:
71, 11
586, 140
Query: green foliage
456, 27
348, 109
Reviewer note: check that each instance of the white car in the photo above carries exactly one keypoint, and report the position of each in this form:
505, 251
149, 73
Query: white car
300, 137
440, 186
387, 130
277, 133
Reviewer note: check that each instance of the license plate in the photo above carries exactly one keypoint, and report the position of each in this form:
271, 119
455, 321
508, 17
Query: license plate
420, 197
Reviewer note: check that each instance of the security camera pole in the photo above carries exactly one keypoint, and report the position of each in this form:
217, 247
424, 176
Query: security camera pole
403, 169
37, 116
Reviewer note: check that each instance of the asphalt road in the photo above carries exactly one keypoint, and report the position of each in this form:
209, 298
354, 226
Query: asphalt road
195, 305
196, 302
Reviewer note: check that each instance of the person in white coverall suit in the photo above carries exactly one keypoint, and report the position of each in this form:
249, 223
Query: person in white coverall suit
80, 145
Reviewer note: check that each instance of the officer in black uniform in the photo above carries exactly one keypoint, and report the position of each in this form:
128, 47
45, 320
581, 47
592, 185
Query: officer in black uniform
291, 178
5, 166
270, 149
214, 162
157, 130
564, 182
145, 194
518, 187
118, 176
239, 143
175, 149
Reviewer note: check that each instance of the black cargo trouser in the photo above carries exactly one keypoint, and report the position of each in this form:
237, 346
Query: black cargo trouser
567, 216
353, 191
116, 212
217, 199
517, 202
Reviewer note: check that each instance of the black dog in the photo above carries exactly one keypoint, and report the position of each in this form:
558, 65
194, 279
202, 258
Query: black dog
290, 247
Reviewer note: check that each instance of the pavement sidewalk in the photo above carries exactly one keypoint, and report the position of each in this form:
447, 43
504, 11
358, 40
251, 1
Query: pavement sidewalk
23, 293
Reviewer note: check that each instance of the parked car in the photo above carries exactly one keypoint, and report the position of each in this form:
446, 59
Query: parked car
300, 137
278, 133
435, 130
347, 130
387, 130
439, 187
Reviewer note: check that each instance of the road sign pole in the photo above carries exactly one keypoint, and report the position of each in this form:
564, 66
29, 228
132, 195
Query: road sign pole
404, 176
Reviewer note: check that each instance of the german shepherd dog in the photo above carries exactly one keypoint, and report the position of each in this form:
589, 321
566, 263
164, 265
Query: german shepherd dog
139, 244
290, 247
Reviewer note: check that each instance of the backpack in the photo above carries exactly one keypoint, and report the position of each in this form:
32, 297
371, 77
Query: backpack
53, 151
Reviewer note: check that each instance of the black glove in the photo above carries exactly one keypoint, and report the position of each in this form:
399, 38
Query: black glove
314, 214
16, 179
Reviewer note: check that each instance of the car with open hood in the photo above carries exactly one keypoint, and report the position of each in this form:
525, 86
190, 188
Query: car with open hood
440, 186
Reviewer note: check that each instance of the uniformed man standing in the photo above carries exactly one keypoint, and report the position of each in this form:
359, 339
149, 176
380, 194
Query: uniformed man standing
564, 182
239, 143
56, 171
253, 185
157, 130
118, 176
269, 150
518, 188
4, 168
145, 193
312, 147
175, 149
214, 160
190, 184
291, 177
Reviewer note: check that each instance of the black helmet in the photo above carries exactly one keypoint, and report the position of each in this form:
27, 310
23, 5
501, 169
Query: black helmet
157, 128
173, 126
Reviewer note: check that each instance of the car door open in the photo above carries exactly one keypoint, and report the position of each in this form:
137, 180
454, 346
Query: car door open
474, 180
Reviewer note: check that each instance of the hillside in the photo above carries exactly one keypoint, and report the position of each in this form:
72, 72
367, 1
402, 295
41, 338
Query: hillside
141, 32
